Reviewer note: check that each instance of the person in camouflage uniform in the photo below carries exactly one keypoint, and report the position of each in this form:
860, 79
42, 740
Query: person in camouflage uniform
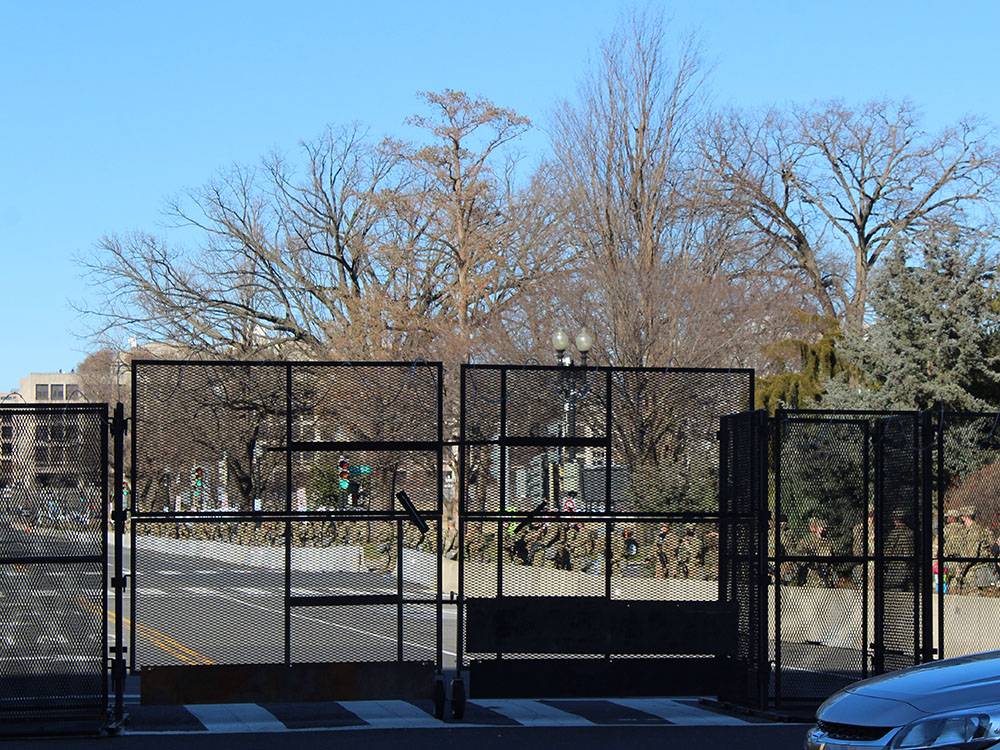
690, 552
582, 543
818, 574
710, 557
859, 549
977, 542
664, 553
899, 543
449, 545
385, 546
617, 551
477, 542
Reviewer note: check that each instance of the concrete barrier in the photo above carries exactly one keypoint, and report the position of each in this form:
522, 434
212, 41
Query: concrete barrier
826, 616
343, 558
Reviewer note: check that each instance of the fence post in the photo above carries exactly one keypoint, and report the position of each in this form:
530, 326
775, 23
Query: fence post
119, 425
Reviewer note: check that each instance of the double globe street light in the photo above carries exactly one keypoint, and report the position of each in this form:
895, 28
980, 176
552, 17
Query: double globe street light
572, 383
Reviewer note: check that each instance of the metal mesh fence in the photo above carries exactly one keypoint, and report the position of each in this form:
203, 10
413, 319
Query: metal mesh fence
822, 607
53, 542
743, 445
270, 520
900, 519
588, 484
851, 503
967, 521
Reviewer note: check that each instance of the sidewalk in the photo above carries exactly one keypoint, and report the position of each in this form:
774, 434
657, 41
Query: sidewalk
396, 714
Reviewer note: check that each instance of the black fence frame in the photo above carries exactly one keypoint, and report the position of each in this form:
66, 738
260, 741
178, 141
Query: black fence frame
76, 699
401, 513
904, 467
690, 631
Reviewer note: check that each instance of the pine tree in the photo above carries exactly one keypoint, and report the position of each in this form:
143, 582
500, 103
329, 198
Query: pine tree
932, 337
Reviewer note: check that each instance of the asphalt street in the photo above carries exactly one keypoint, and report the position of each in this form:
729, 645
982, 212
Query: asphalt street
191, 610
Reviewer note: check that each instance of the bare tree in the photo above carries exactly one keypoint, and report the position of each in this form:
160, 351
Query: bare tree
664, 276
826, 190
287, 265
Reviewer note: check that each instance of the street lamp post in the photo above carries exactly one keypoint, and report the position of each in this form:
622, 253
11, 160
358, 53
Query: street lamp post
570, 386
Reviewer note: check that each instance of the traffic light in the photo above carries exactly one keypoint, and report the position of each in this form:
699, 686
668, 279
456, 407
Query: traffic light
124, 491
345, 473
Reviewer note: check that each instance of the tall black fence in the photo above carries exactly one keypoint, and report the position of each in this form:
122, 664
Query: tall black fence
634, 531
53, 547
286, 514
591, 530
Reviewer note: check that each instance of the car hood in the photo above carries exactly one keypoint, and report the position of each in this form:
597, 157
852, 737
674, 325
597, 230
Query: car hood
899, 697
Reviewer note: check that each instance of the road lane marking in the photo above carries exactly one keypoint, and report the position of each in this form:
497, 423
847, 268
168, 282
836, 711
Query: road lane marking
531, 713
391, 714
677, 712
236, 717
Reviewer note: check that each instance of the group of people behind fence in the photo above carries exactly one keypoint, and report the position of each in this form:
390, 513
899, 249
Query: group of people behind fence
956, 568
572, 545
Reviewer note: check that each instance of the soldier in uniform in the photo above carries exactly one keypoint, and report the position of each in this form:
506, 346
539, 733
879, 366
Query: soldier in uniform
899, 543
786, 537
475, 541
818, 574
449, 544
860, 550
976, 542
385, 546
710, 556
689, 553
664, 554
617, 551
582, 544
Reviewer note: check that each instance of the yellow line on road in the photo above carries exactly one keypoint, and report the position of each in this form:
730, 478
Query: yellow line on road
158, 639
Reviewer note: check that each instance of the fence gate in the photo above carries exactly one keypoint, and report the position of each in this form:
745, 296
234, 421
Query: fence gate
589, 542
53, 544
848, 533
285, 523
743, 454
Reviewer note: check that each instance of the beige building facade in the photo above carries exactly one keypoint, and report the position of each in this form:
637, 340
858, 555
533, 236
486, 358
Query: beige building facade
44, 447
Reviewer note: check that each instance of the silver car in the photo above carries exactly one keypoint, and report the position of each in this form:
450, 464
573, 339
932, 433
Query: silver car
944, 705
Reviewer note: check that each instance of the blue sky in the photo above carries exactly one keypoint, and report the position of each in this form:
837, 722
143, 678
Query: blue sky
109, 107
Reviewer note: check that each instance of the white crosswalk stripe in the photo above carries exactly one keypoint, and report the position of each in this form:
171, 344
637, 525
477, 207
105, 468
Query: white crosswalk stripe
399, 714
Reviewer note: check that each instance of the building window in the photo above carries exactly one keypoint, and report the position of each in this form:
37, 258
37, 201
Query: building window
57, 392
42, 392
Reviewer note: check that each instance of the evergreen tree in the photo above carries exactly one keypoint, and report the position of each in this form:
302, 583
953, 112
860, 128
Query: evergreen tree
800, 366
932, 339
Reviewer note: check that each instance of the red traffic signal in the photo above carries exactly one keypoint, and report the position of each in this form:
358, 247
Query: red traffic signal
345, 473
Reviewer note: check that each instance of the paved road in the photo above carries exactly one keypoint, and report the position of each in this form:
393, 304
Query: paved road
191, 610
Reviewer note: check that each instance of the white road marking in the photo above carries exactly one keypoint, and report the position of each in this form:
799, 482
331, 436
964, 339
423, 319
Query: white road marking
236, 717
531, 713
678, 713
391, 714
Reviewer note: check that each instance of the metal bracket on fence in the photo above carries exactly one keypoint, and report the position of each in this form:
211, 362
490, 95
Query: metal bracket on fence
531, 516
411, 509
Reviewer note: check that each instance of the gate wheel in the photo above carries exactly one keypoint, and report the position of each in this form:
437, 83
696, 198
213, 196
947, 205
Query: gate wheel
457, 698
438, 697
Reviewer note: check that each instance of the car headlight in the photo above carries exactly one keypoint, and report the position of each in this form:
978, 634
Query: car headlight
958, 731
